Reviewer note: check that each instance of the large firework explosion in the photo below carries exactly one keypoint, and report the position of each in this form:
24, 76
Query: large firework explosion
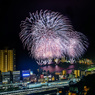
49, 35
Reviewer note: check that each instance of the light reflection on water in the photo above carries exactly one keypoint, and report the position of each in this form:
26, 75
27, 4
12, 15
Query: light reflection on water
59, 68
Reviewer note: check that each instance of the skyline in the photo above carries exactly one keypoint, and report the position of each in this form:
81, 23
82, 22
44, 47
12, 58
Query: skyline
81, 14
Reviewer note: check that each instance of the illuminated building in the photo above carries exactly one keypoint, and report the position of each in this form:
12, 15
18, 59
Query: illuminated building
49, 78
86, 89
7, 60
0, 77
56, 60
16, 76
86, 61
41, 76
26, 75
7, 77
63, 60
46, 78
76, 73
53, 78
64, 72
33, 78
61, 77
69, 93
82, 73
87, 73
40, 80
57, 73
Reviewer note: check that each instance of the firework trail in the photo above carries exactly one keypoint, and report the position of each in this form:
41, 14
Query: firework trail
77, 45
49, 35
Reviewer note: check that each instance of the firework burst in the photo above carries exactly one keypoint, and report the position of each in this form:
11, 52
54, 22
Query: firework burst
49, 35
77, 45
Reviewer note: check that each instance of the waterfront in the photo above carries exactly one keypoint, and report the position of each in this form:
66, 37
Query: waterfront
45, 89
65, 66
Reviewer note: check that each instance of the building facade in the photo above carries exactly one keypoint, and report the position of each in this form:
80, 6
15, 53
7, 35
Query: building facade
0, 77
7, 60
7, 77
26, 75
16, 76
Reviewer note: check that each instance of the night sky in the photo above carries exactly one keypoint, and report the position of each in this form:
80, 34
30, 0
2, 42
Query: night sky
12, 12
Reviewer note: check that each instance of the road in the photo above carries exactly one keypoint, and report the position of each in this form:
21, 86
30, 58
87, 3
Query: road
51, 86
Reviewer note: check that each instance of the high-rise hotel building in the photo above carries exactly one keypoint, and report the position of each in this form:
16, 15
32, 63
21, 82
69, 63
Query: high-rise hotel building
7, 60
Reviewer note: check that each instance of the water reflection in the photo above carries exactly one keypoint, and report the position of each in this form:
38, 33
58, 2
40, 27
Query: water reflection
59, 68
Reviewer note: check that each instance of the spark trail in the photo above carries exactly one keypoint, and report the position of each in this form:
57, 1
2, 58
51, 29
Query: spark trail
49, 35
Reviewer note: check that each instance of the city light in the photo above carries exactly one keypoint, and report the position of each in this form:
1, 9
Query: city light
26, 74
